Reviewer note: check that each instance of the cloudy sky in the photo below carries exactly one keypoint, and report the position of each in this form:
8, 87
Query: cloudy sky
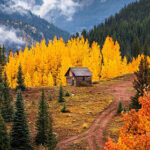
66, 8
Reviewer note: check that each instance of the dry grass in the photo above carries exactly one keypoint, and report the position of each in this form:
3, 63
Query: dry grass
84, 104
113, 127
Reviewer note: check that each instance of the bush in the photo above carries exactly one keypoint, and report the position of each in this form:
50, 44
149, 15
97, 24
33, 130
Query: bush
119, 109
67, 94
26, 95
33, 102
50, 98
63, 110
84, 84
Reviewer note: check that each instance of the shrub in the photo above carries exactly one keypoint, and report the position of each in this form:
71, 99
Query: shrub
67, 94
26, 95
84, 84
33, 102
119, 109
50, 98
63, 110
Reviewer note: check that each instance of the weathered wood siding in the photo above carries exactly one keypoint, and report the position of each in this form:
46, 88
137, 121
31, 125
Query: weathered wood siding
80, 80
76, 81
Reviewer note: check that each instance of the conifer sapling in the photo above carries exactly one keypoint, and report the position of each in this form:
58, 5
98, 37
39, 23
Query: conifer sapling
20, 79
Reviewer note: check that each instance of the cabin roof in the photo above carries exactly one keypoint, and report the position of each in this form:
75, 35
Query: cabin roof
79, 71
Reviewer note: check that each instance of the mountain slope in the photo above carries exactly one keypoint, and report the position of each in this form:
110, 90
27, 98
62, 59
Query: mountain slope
27, 26
73, 15
130, 27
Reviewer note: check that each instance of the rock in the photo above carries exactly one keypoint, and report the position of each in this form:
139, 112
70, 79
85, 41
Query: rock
85, 126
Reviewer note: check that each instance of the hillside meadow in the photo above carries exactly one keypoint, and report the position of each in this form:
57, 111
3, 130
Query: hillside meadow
84, 105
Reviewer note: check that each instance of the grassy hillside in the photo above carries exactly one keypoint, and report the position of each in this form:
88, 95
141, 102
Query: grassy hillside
84, 106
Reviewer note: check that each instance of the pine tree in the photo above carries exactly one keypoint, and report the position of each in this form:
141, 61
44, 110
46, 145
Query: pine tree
2, 56
20, 138
42, 122
4, 138
20, 80
1, 93
146, 49
136, 47
60, 97
63, 110
67, 94
120, 109
50, 97
51, 136
7, 107
140, 83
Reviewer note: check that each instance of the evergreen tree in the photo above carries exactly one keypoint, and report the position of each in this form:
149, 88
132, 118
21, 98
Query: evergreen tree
84, 34
42, 122
136, 47
51, 136
60, 97
4, 138
146, 49
7, 108
63, 110
119, 110
2, 56
140, 83
77, 34
1, 93
20, 138
50, 97
67, 94
20, 80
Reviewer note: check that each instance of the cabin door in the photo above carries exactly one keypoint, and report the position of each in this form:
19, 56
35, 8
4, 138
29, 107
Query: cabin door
72, 81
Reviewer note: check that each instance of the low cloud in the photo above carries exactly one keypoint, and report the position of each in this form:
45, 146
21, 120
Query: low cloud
67, 8
9, 36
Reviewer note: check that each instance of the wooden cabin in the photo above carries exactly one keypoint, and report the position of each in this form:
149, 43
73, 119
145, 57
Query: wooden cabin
77, 75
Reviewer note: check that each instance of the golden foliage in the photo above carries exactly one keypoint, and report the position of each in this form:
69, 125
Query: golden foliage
46, 65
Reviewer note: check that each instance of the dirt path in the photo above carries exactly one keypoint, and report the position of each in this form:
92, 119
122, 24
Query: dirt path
94, 135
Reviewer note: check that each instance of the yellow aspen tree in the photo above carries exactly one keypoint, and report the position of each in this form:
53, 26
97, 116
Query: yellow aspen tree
50, 80
28, 80
65, 64
35, 79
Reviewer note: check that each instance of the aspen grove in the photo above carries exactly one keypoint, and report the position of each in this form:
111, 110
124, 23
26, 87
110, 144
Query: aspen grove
46, 65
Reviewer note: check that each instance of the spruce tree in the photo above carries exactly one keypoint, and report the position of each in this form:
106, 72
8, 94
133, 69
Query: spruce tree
63, 110
136, 47
60, 97
42, 122
4, 137
51, 136
20, 80
119, 109
20, 138
2, 56
146, 49
7, 107
140, 83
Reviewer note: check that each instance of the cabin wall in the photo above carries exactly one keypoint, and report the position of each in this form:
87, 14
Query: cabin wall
76, 81
83, 79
